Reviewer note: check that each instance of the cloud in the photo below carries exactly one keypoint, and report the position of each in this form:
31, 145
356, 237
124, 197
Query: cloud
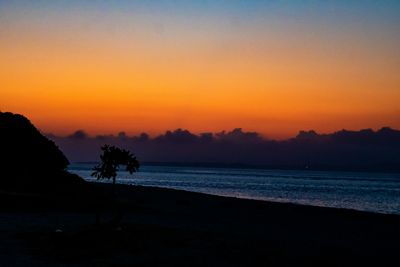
79, 134
178, 137
238, 136
342, 150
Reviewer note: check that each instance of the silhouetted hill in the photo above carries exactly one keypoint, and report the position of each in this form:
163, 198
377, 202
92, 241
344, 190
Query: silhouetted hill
29, 161
365, 150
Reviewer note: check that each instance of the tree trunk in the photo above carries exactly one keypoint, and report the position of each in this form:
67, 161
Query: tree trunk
118, 211
113, 188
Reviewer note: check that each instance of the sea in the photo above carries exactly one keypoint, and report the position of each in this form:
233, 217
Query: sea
373, 192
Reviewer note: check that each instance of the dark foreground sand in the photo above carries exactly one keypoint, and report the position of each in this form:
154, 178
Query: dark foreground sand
162, 227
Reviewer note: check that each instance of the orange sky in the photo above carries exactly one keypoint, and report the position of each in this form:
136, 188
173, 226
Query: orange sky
112, 72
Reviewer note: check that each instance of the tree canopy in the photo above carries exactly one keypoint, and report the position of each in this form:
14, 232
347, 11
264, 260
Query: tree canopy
111, 159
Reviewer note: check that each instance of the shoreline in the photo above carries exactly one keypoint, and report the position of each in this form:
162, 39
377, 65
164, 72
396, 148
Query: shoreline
288, 202
271, 202
124, 189
247, 195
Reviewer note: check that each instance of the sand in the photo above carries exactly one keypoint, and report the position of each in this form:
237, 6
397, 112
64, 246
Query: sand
165, 227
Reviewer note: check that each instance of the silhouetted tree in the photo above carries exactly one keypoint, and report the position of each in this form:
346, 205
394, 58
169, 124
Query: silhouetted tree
111, 159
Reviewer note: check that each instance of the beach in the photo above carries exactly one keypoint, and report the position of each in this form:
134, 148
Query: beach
166, 227
172, 133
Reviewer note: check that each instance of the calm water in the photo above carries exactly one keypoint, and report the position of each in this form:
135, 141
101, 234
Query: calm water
377, 192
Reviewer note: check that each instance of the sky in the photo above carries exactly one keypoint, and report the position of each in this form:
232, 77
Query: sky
275, 67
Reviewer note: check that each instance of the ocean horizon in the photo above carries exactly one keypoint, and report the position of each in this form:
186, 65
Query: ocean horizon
373, 192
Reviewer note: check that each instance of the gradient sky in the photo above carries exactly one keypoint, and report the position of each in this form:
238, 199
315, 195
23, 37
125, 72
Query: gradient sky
269, 66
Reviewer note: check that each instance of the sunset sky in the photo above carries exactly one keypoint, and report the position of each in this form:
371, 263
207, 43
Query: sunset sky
275, 67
